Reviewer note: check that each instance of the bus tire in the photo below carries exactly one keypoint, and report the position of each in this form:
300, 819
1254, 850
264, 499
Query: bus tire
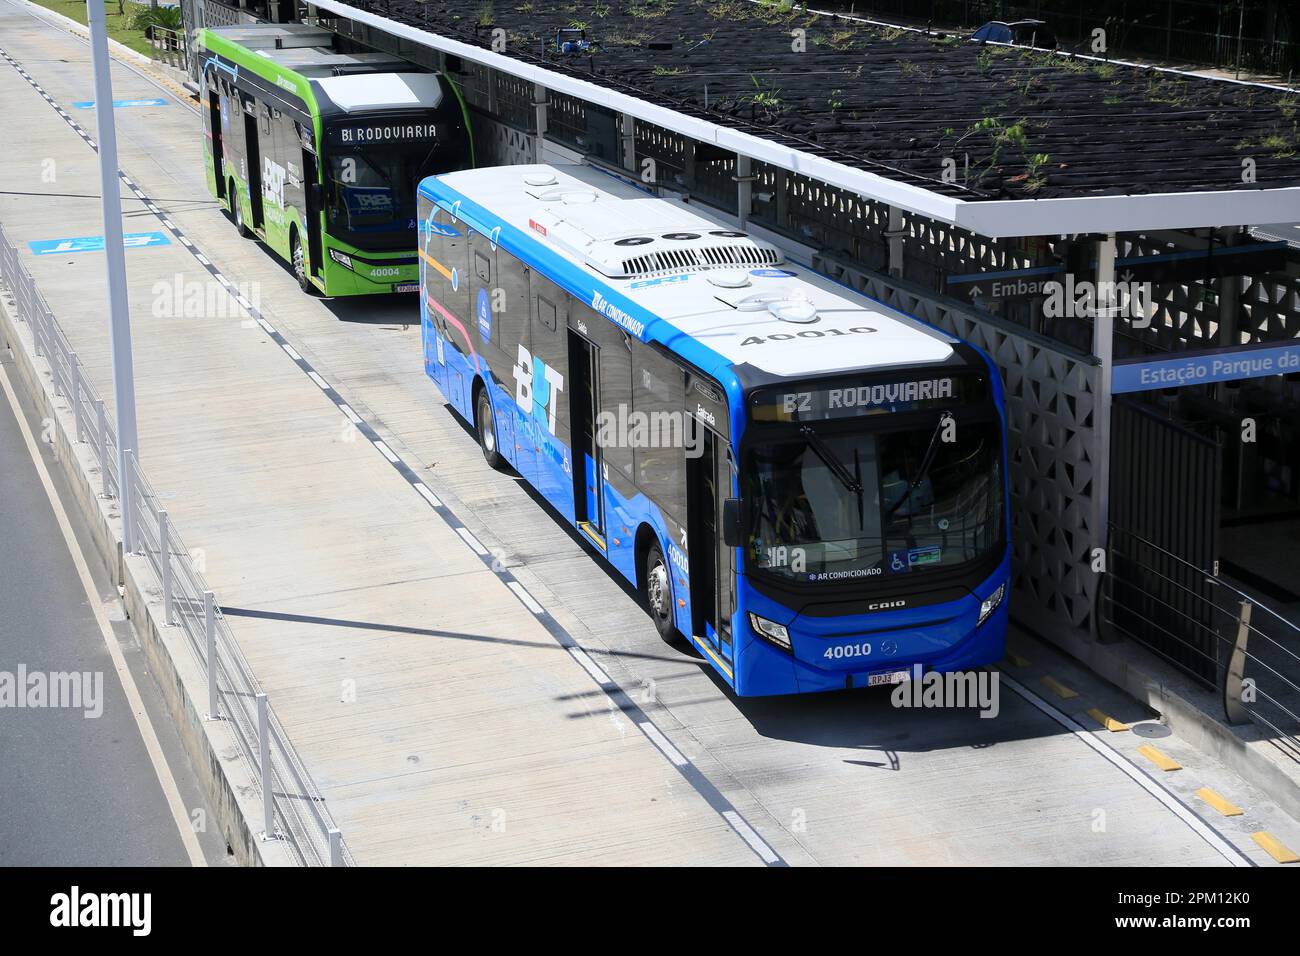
657, 593
299, 261
237, 211
485, 426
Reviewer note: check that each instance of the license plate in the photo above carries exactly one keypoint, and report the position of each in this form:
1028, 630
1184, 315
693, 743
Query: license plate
888, 677
406, 287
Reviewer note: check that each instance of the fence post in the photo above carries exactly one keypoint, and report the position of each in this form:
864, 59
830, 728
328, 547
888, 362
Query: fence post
264, 750
165, 567
1233, 707
38, 328
102, 440
336, 846
101, 437
126, 504
74, 368
210, 629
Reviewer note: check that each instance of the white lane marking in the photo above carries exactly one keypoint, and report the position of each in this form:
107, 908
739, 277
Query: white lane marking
750, 836
1171, 803
387, 452
291, 352
472, 541
590, 666
428, 495
529, 602
180, 815
203, 259
315, 377
353, 417
267, 326
659, 740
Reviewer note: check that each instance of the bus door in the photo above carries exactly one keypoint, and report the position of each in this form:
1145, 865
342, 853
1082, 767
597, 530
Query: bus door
214, 124
312, 195
708, 483
252, 113
584, 378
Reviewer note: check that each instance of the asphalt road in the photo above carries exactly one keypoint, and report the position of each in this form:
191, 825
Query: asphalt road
75, 789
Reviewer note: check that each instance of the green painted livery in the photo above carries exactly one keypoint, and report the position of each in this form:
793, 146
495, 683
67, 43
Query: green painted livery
318, 151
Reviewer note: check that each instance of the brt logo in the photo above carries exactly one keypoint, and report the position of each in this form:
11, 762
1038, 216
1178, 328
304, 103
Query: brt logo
537, 388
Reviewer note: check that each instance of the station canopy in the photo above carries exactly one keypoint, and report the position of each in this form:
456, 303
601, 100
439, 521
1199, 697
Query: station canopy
999, 140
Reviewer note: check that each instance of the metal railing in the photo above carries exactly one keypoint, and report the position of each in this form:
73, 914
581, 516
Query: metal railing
235, 695
168, 46
1191, 617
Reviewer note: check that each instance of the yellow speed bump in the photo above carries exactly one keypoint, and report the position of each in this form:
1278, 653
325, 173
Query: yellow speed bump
1219, 802
1016, 659
1057, 688
1107, 721
1274, 847
1159, 759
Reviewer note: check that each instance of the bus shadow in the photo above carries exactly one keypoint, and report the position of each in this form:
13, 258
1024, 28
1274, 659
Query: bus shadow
396, 308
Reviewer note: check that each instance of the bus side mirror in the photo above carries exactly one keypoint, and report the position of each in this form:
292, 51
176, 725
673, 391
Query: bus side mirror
731, 522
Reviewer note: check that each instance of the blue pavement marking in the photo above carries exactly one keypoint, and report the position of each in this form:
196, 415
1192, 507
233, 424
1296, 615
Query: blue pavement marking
118, 104
132, 240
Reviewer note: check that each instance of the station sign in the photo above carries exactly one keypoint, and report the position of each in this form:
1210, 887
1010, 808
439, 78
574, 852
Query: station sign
1203, 367
1011, 284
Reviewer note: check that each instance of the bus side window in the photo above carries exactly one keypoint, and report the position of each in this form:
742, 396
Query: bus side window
659, 402
615, 393
550, 344
509, 300
481, 282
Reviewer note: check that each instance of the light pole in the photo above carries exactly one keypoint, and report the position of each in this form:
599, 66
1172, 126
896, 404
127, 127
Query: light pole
115, 263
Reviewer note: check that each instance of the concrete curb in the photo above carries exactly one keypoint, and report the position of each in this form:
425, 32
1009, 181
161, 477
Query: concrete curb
1189, 710
228, 779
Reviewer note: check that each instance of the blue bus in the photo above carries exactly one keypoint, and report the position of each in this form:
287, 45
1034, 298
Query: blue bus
808, 487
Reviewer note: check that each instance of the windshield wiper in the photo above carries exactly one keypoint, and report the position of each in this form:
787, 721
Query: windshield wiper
837, 468
926, 461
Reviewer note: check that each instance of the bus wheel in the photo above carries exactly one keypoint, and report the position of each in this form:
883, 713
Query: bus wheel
487, 429
658, 593
237, 211
299, 264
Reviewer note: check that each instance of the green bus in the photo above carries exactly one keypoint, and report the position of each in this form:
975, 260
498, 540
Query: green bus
318, 152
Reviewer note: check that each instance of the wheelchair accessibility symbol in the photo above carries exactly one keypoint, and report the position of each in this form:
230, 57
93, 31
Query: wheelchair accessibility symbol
898, 562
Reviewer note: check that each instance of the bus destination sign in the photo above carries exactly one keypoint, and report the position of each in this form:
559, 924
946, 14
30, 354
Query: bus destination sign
819, 402
367, 134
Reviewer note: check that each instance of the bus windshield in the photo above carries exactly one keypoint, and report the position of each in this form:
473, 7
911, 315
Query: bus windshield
370, 193
851, 503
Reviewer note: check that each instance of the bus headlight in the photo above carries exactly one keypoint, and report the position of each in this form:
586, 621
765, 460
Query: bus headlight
990, 603
342, 258
771, 631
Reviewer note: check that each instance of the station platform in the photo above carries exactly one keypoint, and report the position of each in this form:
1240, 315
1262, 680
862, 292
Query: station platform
464, 681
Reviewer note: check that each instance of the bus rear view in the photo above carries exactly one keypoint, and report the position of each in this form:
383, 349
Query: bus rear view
807, 486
